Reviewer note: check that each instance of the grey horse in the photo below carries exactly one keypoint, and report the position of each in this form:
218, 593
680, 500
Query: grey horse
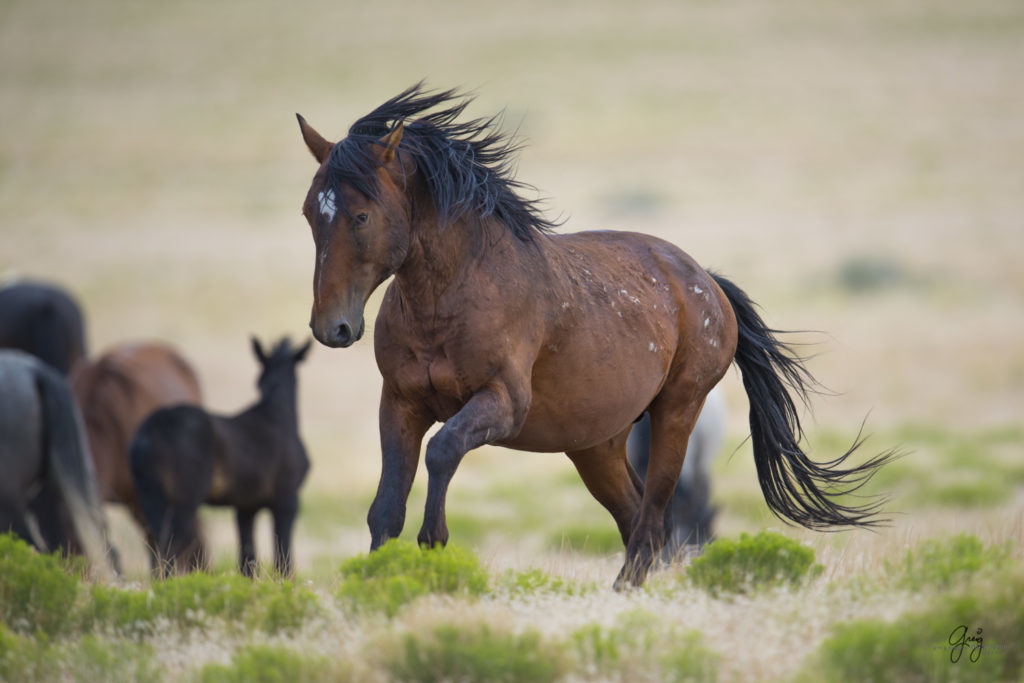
48, 491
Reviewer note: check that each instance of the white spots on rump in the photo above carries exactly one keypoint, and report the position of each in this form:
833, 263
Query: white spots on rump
328, 207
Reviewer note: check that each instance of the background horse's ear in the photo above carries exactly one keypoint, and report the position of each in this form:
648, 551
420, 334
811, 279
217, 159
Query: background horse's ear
258, 350
391, 142
300, 355
320, 147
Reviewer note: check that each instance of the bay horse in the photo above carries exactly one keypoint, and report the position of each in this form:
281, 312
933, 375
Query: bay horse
44, 320
182, 457
47, 491
511, 334
115, 392
692, 514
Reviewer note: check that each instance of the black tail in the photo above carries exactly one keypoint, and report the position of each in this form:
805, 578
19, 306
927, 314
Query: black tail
148, 487
70, 465
795, 488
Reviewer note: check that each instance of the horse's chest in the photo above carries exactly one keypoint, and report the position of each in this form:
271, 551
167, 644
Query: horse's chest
438, 382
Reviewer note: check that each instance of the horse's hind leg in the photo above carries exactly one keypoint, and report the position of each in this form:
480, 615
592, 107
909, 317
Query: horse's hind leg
612, 481
671, 425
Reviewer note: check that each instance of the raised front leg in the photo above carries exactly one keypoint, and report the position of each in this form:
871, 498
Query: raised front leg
246, 544
492, 414
285, 510
401, 435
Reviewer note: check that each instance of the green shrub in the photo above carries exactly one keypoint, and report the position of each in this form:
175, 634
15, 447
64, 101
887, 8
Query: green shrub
923, 646
641, 646
752, 563
267, 664
399, 572
594, 540
475, 653
24, 658
942, 563
190, 601
36, 592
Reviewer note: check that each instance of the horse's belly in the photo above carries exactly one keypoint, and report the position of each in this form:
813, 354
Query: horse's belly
584, 405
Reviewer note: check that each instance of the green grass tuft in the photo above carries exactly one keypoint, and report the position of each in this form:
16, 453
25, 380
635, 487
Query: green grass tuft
269, 664
475, 653
539, 581
945, 563
399, 572
37, 593
752, 563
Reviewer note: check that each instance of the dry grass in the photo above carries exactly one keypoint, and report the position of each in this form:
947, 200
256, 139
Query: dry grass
149, 160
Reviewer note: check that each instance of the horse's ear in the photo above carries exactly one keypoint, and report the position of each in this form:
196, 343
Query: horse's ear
300, 355
320, 147
391, 142
258, 350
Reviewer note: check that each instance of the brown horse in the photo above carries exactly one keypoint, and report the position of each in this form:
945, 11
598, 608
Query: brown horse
513, 335
115, 393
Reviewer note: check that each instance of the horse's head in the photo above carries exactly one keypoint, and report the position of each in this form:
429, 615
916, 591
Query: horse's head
358, 212
278, 365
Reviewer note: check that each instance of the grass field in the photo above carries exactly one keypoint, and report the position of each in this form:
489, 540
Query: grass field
855, 167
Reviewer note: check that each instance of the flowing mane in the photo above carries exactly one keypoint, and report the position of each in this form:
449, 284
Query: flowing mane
468, 167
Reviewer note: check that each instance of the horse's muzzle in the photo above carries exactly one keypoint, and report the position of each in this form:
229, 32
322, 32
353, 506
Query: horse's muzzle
339, 335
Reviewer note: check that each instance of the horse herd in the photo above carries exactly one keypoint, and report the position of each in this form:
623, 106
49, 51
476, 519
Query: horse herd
126, 427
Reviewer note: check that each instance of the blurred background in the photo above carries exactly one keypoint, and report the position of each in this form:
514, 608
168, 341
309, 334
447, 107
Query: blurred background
855, 167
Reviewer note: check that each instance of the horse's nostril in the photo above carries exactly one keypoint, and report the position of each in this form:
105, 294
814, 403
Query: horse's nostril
344, 334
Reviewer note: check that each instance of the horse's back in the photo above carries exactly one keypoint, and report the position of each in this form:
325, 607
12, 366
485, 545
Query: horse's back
43, 320
172, 449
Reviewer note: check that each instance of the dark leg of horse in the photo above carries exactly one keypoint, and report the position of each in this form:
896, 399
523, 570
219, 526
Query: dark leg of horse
12, 518
670, 429
486, 417
246, 544
612, 481
401, 435
285, 511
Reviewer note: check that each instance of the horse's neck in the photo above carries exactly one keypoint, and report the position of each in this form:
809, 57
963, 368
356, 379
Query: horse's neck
443, 260
280, 406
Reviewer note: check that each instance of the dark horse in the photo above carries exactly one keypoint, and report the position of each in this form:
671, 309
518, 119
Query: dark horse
691, 510
47, 491
182, 457
115, 392
43, 320
515, 336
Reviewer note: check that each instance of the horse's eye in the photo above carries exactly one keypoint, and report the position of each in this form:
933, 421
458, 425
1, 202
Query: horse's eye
361, 218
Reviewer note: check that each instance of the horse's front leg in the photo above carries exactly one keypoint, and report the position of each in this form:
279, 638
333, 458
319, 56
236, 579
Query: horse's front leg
492, 414
401, 435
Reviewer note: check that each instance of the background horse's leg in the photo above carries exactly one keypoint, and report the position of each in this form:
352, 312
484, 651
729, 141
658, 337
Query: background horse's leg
488, 416
612, 481
245, 518
671, 424
285, 509
13, 519
401, 435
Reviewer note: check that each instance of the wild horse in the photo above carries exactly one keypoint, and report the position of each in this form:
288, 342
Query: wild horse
47, 491
115, 392
182, 457
513, 335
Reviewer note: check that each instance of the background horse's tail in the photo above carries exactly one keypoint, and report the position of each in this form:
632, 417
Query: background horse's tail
70, 465
150, 490
795, 487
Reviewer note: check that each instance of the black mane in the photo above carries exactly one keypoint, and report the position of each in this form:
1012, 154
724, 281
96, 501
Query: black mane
466, 166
